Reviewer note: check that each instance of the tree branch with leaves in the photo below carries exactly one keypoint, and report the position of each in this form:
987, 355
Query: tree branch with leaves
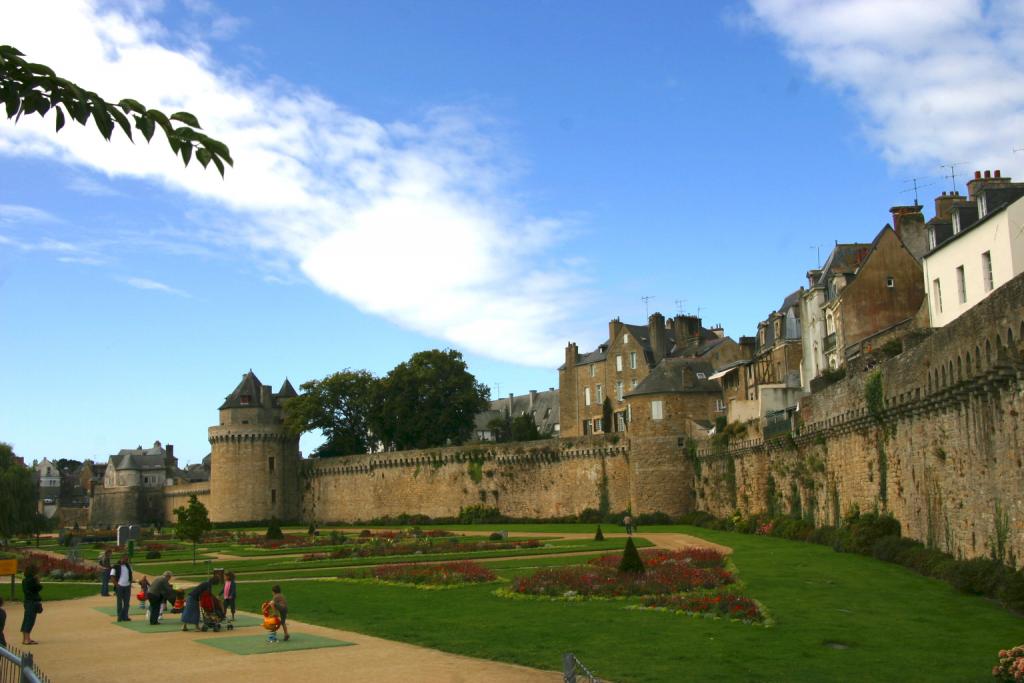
29, 88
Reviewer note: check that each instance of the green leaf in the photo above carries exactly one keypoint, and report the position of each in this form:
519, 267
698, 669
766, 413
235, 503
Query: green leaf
128, 105
204, 156
145, 125
186, 153
41, 69
12, 103
161, 118
186, 118
220, 165
10, 51
101, 116
60, 119
122, 121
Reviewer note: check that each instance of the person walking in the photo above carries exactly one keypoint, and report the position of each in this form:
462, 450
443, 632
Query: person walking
230, 593
121, 575
159, 592
33, 603
627, 522
190, 615
281, 606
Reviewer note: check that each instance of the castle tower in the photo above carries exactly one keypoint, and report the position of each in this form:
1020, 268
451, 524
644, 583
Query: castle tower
254, 461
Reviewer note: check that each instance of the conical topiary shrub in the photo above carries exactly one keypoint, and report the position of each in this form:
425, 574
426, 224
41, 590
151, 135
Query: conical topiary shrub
631, 561
274, 530
599, 536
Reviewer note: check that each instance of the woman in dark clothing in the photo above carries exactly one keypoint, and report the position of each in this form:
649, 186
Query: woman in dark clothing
33, 603
190, 615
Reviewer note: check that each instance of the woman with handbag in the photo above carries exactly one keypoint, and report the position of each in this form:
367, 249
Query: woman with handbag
30, 588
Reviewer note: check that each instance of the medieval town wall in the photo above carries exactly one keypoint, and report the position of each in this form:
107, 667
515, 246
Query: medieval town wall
933, 436
551, 478
110, 507
177, 496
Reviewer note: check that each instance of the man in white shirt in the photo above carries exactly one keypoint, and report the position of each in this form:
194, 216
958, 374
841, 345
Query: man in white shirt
121, 575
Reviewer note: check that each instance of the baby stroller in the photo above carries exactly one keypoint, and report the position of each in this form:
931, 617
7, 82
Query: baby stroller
271, 622
179, 602
211, 613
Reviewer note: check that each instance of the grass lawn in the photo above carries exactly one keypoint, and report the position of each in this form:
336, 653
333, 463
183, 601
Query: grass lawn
838, 617
52, 590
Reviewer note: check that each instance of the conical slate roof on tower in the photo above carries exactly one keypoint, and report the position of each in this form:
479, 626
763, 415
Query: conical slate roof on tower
287, 390
247, 393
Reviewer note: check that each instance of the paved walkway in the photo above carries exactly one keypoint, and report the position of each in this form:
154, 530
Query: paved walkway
78, 643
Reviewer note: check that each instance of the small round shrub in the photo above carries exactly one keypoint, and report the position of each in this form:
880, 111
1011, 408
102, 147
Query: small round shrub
496, 536
153, 555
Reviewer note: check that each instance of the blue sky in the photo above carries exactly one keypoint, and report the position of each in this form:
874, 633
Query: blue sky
498, 177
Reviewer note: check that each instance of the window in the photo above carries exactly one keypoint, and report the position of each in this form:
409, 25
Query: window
830, 323
961, 285
982, 205
656, 410
618, 362
273, 495
629, 414
593, 370
719, 405
625, 338
586, 427
701, 375
586, 396
937, 294
778, 329
618, 390
245, 399
890, 282
271, 463
956, 222
635, 382
600, 394
931, 238
632, 360
620, 420
597, 425
986, 270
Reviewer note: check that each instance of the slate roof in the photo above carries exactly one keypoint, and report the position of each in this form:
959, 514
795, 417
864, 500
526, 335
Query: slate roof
944, 229
545, 409
845, 258
678, 376
708, 341
249, 386
287, 390
791, 301
139, 458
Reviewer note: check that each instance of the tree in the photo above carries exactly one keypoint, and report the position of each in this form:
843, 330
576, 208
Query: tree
607, 425
28, 88
631, 561
274, 532
339, 405
524, 428
18, 496
429, 400
193, 522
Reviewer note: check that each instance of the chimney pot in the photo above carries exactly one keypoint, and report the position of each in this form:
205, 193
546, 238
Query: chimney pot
998, 174
977, 175
988, 174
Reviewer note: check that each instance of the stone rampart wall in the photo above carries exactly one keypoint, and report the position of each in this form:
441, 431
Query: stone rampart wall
177, 496
943, 450
550, 478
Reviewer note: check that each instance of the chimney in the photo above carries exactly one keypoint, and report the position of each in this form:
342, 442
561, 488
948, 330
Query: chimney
908, 224
984, 182
812, 277
170, 460
747, 347
944, 204
656, 333
533, 398
572, 355
510, 396
719, 331
266, 396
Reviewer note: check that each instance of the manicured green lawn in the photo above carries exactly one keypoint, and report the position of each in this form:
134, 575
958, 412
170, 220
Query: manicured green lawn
893, 624
53, 590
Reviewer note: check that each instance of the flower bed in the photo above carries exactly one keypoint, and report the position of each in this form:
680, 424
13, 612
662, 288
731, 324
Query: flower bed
665, 572
385, 548
54, 567
726, 605
446, 574
1011, 665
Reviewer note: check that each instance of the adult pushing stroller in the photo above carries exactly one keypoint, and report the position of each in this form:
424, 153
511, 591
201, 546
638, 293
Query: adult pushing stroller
211, 613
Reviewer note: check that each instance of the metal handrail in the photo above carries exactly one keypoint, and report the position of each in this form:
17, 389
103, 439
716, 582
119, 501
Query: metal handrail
569, 665
23, 667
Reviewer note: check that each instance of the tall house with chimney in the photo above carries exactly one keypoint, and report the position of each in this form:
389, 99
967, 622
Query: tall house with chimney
619, 365
976, 245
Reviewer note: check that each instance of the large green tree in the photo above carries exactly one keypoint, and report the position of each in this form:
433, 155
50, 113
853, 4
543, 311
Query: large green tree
429, 400
29, 88
339, 405
193, 522
18, 496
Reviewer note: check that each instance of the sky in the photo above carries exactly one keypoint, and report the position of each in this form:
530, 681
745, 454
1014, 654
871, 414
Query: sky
499, 178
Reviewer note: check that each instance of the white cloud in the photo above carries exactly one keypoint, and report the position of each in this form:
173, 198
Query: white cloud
14, 214
939, 81
146, 283
406, 220
91, 187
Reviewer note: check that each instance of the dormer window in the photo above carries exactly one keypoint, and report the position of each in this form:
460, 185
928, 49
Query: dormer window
982, 206
245, 399
956, 222
625, 338
701, 375
890, 282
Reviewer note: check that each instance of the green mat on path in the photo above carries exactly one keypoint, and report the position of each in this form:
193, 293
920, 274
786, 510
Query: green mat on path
258, 645
171, 622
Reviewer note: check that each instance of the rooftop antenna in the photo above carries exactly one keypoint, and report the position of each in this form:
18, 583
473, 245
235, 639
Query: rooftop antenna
817, 249
952, 170
916, 187
699, 309
679, 305
647, 308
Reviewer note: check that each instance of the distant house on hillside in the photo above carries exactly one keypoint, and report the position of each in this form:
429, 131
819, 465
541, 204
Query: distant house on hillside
542, 405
